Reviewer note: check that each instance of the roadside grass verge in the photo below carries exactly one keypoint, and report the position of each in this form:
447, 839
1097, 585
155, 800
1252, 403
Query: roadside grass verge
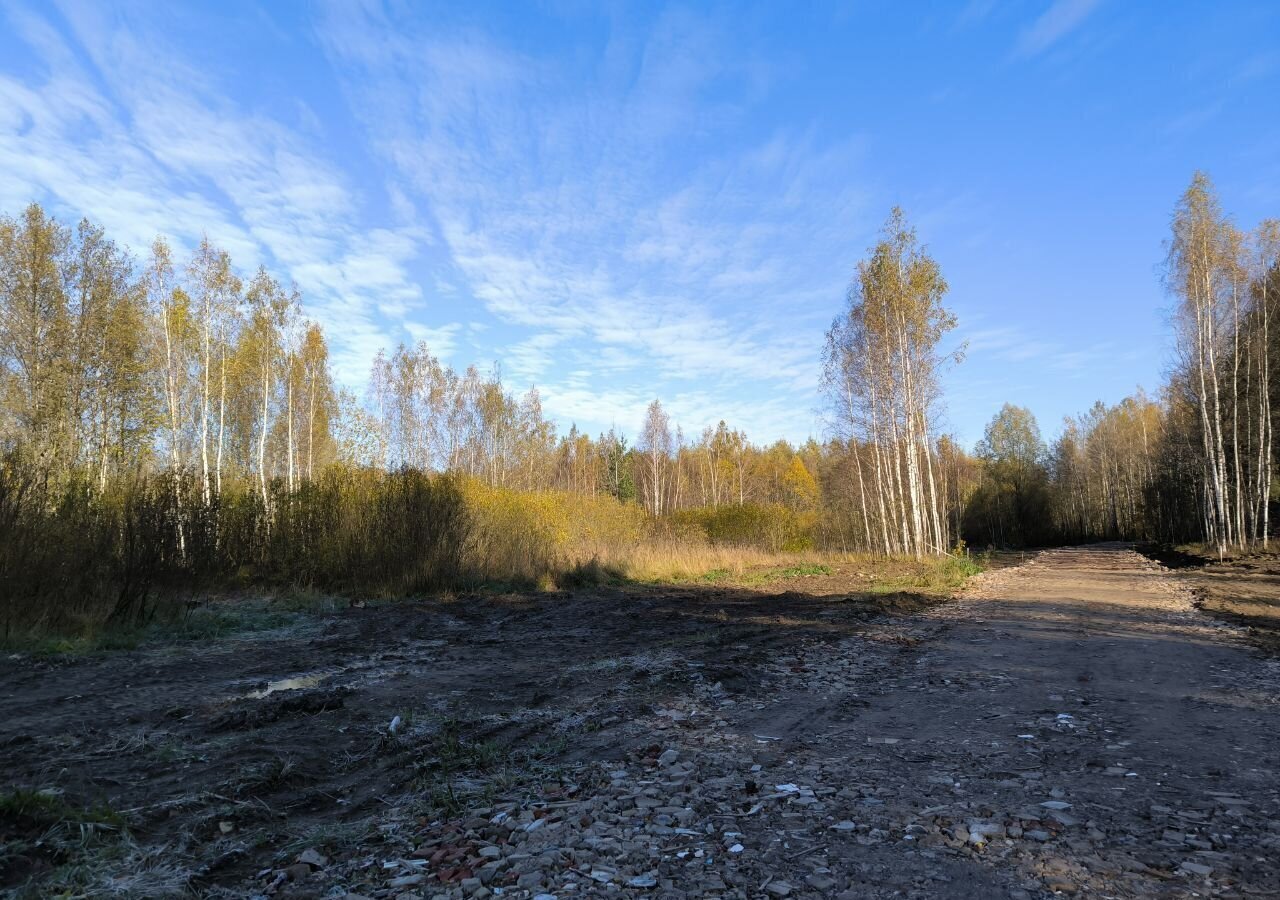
673, 562
653, 563
768, 575
870, 574
939, 575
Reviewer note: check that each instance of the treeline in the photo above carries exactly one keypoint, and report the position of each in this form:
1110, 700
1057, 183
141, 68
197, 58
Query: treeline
1196, 464
109, 366
1221, 394
420, 413
177, 417
112, 366
174, 421
1105, 477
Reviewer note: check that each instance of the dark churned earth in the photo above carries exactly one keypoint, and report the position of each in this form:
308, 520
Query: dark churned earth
1072, 725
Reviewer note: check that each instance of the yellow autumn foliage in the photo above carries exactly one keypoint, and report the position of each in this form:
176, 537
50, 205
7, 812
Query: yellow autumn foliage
765, 526
540, 535
556, 538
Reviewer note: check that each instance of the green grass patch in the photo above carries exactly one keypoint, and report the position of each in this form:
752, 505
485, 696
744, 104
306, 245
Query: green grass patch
782, 573
933, 576
56, 846
776, 573
806, 571
46, 809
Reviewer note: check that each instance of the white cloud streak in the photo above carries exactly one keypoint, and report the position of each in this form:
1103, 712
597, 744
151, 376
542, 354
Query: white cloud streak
560, 193
118, 128
1060, 19
571, 211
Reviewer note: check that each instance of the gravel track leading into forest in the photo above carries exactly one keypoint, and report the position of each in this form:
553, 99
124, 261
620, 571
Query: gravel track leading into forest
1072, 725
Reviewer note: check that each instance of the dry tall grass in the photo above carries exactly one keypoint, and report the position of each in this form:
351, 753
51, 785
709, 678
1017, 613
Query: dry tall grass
664, 559
556, 539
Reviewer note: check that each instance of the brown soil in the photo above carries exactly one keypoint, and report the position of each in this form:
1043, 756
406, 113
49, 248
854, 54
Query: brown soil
1244, 590
677, 742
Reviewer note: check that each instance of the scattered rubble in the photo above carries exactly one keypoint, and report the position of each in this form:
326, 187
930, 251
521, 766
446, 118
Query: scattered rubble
928, 755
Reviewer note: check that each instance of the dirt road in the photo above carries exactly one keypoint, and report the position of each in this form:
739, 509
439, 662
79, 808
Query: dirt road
1070, 725
1077, 723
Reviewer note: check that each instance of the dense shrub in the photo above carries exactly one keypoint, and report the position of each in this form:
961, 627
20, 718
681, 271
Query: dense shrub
533, 536
73, 550
79, 552
76, 554
766, 526
366, 531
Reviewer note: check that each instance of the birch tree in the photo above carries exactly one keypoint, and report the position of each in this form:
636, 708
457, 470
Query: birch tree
270, 311
656, 445
881, 364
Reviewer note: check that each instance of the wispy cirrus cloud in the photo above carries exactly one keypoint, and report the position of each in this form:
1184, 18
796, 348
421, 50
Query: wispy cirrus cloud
1055, 23
115, 125
567, 209
1014, 344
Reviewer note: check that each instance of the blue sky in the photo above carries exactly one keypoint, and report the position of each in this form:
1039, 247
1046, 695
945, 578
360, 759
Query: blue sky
623, 201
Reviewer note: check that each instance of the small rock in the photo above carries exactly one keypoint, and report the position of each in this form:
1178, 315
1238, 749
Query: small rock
407, 881
313, 857
778, 889
297, 871
981, 832
669, 758
820, 882
1195, 868
530, 880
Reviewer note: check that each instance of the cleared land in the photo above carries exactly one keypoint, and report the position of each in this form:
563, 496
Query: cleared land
1071, 724
1243, 590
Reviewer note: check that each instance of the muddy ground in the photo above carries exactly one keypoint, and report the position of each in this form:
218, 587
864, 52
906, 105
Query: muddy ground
1073, 725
